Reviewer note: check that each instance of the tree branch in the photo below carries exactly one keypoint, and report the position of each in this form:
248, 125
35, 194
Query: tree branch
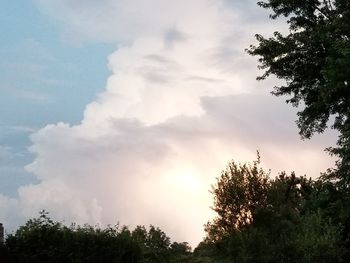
323, 13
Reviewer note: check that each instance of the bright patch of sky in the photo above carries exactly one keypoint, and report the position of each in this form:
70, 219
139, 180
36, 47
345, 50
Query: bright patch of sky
43, 79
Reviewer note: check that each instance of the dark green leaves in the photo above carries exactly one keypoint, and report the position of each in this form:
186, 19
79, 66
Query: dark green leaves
314, 61
282, 219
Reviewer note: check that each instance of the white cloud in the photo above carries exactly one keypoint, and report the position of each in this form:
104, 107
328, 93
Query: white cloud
123, 20
181, 102
6, 129
161, 173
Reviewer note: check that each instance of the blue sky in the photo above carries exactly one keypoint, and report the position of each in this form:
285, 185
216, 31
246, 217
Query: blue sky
44, 79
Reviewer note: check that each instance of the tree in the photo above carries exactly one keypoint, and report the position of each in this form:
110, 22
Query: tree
317, 240
314, 61
4, 255
43, 240
239, 193
156, 246
181, 252
264, 219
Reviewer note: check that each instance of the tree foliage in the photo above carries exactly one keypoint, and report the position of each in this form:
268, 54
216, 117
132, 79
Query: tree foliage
314, 60
238, 194
44, 240
264, 219
156, 245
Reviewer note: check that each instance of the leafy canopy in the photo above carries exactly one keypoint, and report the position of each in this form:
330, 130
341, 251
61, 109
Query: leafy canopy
261, 219
314, 60
44, 240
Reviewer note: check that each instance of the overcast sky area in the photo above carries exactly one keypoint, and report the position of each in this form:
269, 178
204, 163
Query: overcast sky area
127, 110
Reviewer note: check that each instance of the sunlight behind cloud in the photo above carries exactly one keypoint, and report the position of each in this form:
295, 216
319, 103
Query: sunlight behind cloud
183, 179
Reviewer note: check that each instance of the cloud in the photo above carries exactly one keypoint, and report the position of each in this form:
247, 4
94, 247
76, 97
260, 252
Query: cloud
15, 129
123, 21
159, 174
181, 102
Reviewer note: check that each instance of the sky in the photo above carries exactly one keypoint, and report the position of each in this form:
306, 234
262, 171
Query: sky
128, 110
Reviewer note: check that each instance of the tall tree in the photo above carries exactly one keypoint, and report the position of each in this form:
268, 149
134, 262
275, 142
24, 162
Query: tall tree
239, 193
314, 60
261, 219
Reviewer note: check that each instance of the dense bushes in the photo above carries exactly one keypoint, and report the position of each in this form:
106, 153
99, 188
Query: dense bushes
43, 240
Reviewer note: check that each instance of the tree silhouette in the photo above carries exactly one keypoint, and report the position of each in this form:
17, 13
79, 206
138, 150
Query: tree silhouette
314, 61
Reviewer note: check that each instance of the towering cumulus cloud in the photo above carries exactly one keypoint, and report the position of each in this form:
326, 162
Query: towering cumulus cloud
181, 102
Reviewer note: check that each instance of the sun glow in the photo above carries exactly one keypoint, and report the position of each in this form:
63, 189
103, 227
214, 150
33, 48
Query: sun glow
184, 180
